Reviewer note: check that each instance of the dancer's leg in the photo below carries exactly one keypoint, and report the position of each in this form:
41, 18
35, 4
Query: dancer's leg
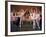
34, 24
37, 21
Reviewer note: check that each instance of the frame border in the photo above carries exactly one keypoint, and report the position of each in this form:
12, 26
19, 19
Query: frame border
6, 18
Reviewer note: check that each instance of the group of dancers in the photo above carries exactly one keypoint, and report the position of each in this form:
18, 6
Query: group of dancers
32, 14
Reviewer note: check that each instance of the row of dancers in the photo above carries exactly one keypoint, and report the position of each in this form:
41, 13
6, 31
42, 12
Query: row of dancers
27, 15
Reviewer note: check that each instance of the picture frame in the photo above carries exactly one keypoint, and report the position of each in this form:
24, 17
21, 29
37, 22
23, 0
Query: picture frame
8, 9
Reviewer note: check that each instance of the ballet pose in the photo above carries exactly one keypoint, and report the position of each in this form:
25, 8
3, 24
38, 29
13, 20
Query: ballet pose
35, 18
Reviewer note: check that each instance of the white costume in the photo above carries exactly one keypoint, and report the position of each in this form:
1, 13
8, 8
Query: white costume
12, 17
36, 19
